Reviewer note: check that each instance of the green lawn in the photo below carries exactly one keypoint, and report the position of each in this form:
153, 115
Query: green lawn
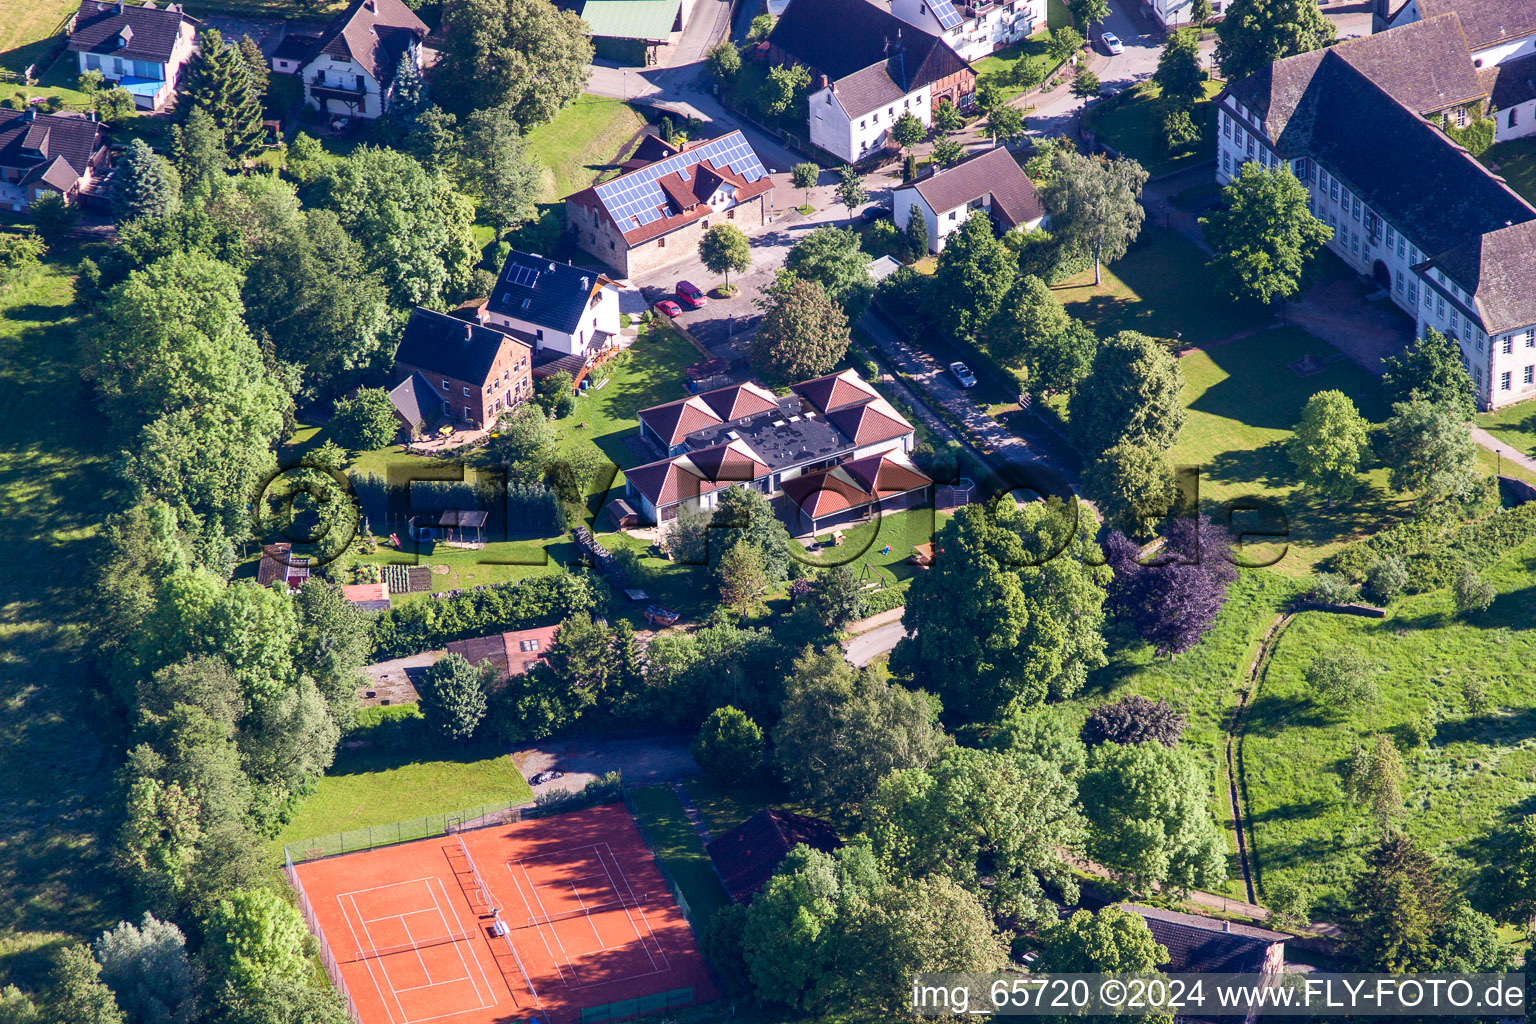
1131, 124
1515, 161
1478, 771
1243, 399
999, 67
26, 31
1515, 425
581, 143
1160, 288
1202, 683
56, 483
378, 785
680, 851
1057, 14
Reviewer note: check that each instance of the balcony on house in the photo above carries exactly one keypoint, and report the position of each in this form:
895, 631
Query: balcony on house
336, 89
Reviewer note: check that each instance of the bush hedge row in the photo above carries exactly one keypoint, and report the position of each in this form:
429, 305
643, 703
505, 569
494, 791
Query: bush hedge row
432, 622
1435, 546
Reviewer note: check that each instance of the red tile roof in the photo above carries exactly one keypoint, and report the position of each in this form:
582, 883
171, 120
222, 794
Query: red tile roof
676, 420
703, 472
854, 483
884, 475
835, 390
740, 400
870, 423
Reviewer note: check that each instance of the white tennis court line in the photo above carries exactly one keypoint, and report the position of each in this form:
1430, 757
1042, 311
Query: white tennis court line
558, 941
394, 991
583, 904
666, 964
559, 971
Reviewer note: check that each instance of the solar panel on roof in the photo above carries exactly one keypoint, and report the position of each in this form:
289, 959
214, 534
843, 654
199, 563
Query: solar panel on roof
524, 277
637, 196
946, 13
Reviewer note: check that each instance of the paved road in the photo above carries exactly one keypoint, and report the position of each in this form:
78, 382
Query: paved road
866, 647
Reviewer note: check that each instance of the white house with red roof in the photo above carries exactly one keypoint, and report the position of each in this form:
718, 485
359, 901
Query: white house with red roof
832, 451
657, 212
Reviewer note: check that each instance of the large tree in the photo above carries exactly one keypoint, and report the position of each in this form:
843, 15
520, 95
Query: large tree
831, 257
1172, 598
1095, 204
218, 81
1399, 901
314, 290
496, 166
255, 938
742, 579
1179, 73
1113, 941
843, 728
1133, 488
79, 995
803, 332
997, 823
1149, 817
413, 227
1264, 234
1029, 320
725, 248
197, 144
975, 273
744, 514
998, 623
1136, 397
145, 184
1429, 450
1256, 33
453, 696
1430, 369
173, 359
729, 746
147, 967
1134, 719
1329, 444
1374, 776
526, 55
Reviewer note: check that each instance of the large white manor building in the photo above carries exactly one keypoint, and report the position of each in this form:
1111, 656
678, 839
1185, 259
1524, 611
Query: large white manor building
1358, 123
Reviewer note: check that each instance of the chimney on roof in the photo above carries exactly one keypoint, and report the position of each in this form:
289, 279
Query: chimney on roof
586, 282
31, 113
119, 7
469, 330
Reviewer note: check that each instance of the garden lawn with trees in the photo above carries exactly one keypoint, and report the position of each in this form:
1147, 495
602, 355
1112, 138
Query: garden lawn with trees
1472, 769
1003, 70
1129, 124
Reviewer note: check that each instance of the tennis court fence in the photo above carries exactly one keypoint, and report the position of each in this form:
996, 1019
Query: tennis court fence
635, 1007
650, 844
327, 958
375, 836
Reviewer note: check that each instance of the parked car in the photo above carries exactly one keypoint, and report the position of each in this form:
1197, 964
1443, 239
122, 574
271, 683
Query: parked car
963, 375
689, 295
870, 214
666, 307
1112, 43
548, 775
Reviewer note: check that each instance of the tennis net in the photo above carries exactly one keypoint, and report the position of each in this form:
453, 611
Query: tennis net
622, 903
378, 951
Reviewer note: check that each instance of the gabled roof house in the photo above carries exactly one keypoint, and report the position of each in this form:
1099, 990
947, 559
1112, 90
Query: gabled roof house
992, 182
43, 153
350, 71
657, 212
563, 312
458, 370
1359, 124
139, 47
873, 69
747, 856
973, 28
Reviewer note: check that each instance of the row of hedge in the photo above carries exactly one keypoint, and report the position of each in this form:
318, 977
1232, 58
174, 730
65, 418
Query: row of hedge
1434, 547
428, 624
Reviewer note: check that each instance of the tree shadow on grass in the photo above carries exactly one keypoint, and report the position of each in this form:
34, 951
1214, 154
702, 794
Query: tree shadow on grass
1269, 715
1492, 729
1266, 465
1296, 810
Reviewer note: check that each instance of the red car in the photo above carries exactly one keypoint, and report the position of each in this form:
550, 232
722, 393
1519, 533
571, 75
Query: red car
667, 307
689, 295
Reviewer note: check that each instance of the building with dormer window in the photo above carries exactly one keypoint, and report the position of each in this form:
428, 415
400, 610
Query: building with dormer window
656, 212
976, 28
1449, 241
141, 48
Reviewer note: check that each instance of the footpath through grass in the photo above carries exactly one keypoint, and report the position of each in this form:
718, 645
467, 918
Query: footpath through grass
55, 486
1477, 772
680, 851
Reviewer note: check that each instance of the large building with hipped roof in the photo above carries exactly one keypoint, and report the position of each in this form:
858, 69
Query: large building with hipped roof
1363, 125
830, 453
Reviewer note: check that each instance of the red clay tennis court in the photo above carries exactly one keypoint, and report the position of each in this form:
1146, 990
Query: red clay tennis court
565, 919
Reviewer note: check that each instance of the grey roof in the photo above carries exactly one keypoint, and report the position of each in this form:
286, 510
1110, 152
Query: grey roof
32, 142
543, 291
151, 32
1322, 105
866, 90
865, 35
883, 267
781, 438
1487, 22
1499, 270
372, 33
438, 343
1512, 82
995, 173
416, 400
1204, 945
